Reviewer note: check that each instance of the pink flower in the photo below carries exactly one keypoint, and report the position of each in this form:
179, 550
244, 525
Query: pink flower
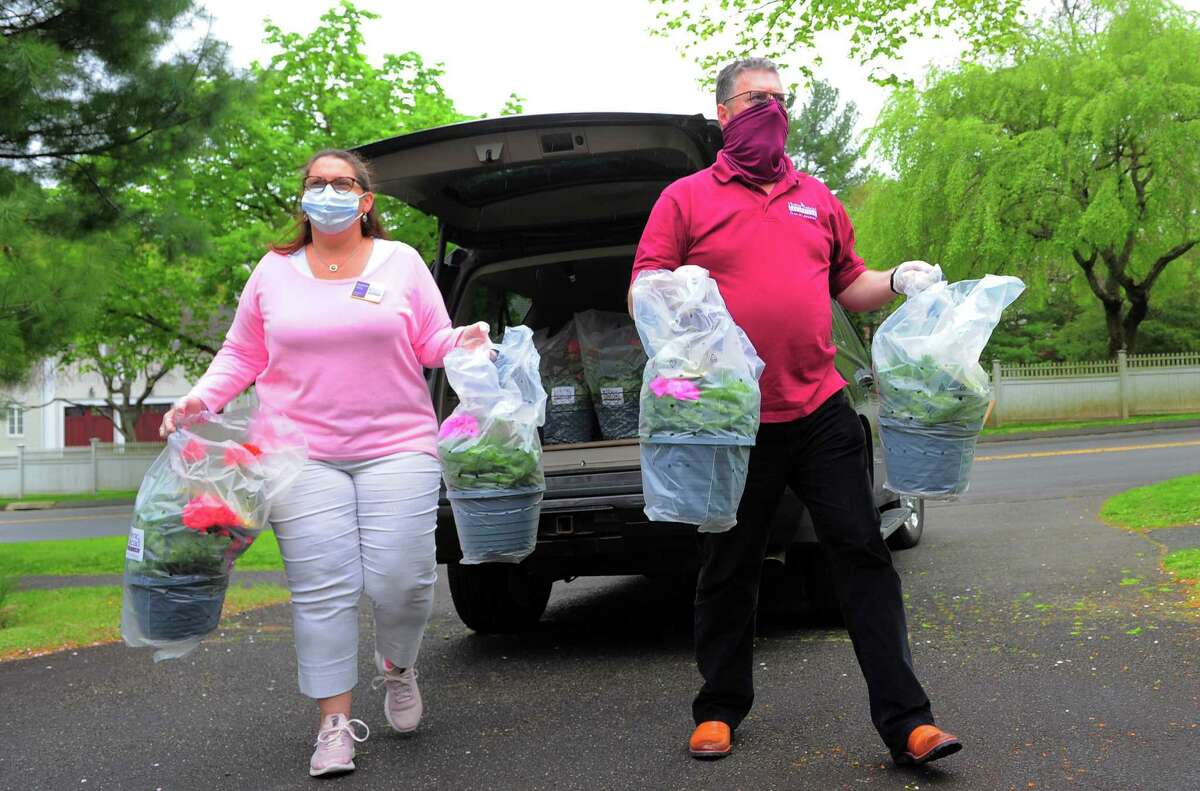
463, 425
192, 452
207, 511
240, 455
680, 389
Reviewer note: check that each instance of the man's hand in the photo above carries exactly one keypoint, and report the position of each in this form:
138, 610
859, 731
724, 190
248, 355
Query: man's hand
913, 277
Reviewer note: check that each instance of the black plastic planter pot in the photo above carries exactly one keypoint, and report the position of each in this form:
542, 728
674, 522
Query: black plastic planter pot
927, 461
496, 527
176, 608
618, 409
569, 422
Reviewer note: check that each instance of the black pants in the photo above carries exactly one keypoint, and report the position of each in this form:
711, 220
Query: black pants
822, 457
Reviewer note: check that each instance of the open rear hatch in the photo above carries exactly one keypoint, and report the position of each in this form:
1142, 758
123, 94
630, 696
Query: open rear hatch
523, 184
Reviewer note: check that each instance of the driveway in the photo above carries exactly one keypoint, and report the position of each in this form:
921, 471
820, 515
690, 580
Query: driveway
1049, 642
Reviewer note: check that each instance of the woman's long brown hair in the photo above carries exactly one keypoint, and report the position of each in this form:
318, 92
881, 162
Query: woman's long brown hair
371, 227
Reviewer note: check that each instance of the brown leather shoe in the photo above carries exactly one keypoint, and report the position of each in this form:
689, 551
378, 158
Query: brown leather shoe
928, 743
712, 739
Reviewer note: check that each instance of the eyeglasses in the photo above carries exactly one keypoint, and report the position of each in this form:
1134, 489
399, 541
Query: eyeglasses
762, 97
341, 184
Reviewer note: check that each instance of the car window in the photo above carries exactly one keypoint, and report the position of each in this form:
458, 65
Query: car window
498, 307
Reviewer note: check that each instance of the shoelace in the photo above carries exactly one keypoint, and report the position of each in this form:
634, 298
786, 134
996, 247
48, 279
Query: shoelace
330, 736
403, 681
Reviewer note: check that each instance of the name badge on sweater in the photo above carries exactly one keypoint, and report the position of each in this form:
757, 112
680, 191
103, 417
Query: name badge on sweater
367, 292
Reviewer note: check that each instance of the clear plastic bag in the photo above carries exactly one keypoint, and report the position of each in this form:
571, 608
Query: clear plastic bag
613, 361
934, 394
700, 400
490, 452
201, 505
569, 417
702, 376
490, 441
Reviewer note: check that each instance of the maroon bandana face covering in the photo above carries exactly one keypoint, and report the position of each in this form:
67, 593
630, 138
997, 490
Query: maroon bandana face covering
754, 141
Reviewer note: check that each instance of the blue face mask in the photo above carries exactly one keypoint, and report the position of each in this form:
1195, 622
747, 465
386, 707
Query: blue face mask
330, 211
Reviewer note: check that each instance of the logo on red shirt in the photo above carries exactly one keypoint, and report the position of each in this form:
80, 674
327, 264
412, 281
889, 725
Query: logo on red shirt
802, 210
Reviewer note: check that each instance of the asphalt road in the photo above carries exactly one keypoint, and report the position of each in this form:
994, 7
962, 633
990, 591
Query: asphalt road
1092, 464
1050, 643
60, 523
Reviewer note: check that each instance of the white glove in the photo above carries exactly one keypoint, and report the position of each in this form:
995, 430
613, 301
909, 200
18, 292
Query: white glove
913, 277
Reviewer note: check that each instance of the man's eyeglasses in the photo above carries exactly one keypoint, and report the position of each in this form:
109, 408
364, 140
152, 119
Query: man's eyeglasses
762, 97
341, 184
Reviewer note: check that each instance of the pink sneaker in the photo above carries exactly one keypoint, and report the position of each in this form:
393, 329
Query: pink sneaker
402, 704
335, 745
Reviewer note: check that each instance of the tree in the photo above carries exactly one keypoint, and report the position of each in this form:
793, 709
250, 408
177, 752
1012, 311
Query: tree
88, 96
716, 32
1082, 156
155, 317
821, 139
89, 104
46, 282
318, 91
200, 223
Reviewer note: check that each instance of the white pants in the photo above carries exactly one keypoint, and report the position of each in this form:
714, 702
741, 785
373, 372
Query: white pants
349, 527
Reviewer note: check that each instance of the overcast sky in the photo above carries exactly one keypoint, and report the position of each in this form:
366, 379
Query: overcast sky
560, 55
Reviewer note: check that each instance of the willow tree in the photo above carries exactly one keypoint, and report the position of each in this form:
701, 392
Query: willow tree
715, 32
1078, 159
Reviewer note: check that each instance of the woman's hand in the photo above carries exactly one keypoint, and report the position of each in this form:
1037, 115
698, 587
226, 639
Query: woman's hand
475, 336
183, 408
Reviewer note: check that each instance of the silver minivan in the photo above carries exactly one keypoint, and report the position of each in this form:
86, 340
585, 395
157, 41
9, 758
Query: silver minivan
538, 219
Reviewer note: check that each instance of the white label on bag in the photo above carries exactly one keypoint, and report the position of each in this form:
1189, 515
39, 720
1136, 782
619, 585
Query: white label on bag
134, 548
612, 396
562, 395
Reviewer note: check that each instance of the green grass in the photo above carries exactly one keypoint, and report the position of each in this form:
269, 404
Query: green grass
103, 494
86, 556
38, 621
6, 590
1021, 428
1171, 503
1184, 564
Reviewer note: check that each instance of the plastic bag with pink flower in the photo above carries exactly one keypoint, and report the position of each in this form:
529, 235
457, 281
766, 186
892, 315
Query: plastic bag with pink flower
699, 399
201, 505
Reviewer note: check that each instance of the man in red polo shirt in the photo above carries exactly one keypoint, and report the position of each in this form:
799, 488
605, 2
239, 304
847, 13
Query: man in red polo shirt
780, 246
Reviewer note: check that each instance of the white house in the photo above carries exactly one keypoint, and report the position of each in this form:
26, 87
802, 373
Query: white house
60, 407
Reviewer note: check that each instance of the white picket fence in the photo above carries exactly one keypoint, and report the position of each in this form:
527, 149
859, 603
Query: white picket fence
1144, 384
76, 470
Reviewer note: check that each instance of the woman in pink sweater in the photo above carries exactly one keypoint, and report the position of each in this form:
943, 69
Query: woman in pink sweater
334, 330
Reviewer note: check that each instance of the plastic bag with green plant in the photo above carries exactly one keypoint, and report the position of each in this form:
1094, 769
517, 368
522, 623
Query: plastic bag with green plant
569, 417
490, 451
934, 394
700, 400
613, 361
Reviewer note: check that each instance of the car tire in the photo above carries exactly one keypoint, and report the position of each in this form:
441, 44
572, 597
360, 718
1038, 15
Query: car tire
496, 598
908, 535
